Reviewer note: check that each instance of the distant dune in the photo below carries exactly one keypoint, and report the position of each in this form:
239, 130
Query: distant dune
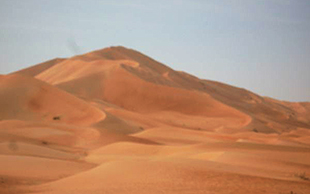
117, 121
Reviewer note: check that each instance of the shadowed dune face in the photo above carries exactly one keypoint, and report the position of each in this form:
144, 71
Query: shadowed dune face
37, 69
117, 121
26, 98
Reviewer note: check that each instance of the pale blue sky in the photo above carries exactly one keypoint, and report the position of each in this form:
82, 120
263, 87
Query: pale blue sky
260, 45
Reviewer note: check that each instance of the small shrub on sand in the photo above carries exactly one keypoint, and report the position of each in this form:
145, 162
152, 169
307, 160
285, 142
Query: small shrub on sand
56, 118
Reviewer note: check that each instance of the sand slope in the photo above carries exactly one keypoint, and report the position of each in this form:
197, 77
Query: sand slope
37, 69
117, 121
26, 98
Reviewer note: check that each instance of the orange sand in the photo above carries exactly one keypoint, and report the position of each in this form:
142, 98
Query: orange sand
117, 121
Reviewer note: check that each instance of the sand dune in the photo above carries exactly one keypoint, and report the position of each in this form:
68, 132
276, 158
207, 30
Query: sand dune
117, 121
37, 69
25, 98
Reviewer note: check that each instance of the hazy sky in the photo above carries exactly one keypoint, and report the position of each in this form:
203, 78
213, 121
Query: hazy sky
260, 45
